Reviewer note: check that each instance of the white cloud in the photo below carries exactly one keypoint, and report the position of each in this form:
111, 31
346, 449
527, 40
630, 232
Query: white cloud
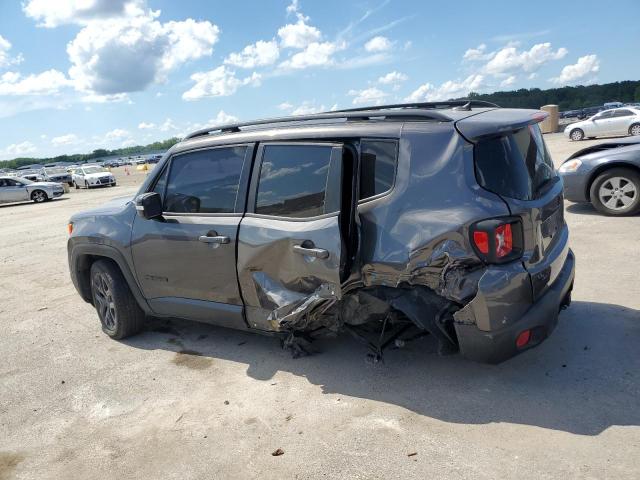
55, 13
478, 53
258, 54
298, 35
219, 82
307, 108
127, 55
117, 134
578, 71
314, 55
370, 95
113, 98
146, 126
22, 148
509, 59
50, 82
378, 44
285, 106
222, 118
507, 82
5, 59
449, 89
392, 78
68, 139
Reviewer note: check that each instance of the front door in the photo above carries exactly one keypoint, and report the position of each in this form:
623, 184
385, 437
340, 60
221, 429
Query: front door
12, 191
186, 261
292, 250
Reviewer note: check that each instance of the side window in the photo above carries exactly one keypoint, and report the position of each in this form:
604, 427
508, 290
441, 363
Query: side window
205, 181
293, 180
378, 161
623, 113
161, 182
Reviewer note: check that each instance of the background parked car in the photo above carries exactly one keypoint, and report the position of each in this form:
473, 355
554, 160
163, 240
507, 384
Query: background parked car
607, 175
92, 176
15, 189
619, 121
57, 174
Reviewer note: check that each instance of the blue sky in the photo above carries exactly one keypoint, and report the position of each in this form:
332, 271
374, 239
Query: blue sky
76, 75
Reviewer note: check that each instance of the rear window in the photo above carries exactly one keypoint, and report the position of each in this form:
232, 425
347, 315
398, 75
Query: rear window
377, 168
516, 165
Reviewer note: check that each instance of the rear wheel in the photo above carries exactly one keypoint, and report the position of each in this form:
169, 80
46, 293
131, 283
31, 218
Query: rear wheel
86, 185
634, 129
76, 185
119, 313
576, 134
39, 196
617, 192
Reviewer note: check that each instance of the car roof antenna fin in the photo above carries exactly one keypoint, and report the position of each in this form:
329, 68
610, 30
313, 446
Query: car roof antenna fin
466, 107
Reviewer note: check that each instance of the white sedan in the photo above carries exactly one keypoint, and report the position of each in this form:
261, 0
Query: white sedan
92, 176
14, 189
619, 121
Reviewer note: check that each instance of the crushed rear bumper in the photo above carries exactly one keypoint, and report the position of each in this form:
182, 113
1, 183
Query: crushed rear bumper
497, 345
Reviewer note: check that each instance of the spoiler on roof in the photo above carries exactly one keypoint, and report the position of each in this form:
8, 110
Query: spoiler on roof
496, 122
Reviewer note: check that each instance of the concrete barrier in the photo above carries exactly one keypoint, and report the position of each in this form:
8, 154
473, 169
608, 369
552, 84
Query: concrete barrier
551, 123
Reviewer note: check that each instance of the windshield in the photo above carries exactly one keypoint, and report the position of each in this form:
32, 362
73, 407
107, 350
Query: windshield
516, 165
96, 169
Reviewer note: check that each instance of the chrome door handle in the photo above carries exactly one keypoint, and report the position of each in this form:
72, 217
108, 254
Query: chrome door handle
311, 252
216, 239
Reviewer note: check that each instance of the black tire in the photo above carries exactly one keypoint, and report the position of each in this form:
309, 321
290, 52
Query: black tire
76, 185
576, 134
615, 181
86, 185
39, 196
119, 313
634, 129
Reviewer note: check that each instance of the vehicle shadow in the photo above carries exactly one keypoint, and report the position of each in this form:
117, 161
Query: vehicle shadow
583, 379
582, 209
30, 203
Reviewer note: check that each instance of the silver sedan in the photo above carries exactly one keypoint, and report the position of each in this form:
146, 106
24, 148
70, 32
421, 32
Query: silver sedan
619, 121
15, 189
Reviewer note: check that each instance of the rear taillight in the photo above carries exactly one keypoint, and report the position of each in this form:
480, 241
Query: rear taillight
498, 240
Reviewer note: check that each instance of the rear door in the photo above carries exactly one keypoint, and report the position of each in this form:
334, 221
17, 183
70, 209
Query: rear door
518, 167
292, 254
620, 121
186, 261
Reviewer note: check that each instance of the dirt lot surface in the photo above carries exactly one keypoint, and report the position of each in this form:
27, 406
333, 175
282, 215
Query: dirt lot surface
76, 405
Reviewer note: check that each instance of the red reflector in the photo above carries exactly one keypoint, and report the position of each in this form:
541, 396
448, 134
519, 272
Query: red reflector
481, 239
523, 338
504, 240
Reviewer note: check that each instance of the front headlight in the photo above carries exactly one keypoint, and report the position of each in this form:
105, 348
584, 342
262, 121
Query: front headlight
570, 166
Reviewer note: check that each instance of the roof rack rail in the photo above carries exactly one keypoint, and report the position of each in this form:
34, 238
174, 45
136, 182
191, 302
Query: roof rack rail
466, 103
355, 114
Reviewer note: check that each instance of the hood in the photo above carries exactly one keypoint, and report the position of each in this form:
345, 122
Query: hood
98, 175
112, 207
612, 146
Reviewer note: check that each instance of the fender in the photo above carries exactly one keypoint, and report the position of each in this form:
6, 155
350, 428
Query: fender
79, 269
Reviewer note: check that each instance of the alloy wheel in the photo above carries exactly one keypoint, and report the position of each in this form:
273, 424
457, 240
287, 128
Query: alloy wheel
635, 130
39, 196
105, 304
618, 193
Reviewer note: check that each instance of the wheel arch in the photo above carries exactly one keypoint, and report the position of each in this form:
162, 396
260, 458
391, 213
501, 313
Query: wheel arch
82, 257
603, 168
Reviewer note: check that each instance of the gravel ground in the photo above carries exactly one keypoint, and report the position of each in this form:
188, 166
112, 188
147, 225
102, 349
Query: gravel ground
76, 405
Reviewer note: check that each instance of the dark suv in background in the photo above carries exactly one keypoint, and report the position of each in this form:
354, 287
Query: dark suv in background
445, 217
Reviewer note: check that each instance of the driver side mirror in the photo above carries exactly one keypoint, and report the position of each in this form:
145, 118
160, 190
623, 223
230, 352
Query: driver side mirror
149, 205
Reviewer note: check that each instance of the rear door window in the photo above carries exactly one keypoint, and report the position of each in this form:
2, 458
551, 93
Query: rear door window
516, 165
205, 181
378, 161
293, 180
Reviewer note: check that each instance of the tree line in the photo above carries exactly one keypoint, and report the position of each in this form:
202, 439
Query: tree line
567, 98
96, 154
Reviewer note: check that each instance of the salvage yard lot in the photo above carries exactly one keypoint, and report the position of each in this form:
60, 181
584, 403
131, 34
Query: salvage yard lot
185, 400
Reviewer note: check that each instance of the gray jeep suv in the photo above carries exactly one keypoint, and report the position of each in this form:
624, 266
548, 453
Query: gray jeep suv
441, 217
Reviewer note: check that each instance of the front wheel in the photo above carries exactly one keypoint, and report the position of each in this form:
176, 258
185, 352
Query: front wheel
39, 196
76, 185
86, 185
576, 134
616, 192
634, 129
119, 313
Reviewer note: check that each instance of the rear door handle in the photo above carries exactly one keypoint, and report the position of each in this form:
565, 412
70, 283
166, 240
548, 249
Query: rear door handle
311, 252
214, 239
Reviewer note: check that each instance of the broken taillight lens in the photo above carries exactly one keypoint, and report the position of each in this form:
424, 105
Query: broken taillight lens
498, 240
